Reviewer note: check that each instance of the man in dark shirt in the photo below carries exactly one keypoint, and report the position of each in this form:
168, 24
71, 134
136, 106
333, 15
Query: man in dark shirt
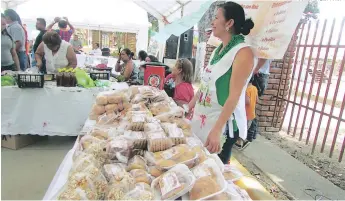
40, 26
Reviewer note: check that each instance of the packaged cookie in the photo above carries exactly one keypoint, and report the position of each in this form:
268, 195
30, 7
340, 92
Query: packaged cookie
114, 171
137, 120
174, 183
172, 130
136, 162
209, 181
158, 144
153, 127
138, 138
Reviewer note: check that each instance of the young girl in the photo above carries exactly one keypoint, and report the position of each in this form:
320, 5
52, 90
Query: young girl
180, 81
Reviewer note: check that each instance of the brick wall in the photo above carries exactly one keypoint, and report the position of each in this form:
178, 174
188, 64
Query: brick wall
270, 106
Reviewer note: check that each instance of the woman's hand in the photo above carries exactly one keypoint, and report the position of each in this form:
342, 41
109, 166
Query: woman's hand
213, 140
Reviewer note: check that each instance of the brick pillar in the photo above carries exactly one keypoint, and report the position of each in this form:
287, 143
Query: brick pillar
270, 106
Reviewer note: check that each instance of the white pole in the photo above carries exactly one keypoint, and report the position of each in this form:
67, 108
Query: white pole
179, 38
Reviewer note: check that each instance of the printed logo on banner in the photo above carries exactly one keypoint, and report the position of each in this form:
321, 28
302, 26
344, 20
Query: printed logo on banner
154, 81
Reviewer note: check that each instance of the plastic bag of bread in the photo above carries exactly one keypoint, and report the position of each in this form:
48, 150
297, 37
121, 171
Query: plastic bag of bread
139, 107
82, 162
159, 108
99, 133
85, 182
139, 194
101, 99
69, 193
155, 171
98, 109
136, 162
174, 183
143, 186
114, 171
152, 127
111, 108
119, 148
236, 193
176, 112
98, 179
118, 189
107, 118
209, 181
172, 130
232, 173
175, 155
87, 140
117, 98
200, 151
140, 176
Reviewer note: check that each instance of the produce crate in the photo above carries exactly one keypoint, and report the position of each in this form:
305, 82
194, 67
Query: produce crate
108, 69
30, 80
101, 75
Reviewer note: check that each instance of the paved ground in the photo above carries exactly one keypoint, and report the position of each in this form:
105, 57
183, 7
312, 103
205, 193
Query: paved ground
27, 173
288, 172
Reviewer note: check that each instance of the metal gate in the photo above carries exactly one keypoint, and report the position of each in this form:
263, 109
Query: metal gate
315, 104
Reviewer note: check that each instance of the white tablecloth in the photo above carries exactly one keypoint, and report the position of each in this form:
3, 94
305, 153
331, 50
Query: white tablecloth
47, 111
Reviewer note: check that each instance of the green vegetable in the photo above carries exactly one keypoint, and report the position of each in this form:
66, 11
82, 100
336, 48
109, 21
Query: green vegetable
83, 79
120, 78
7, 80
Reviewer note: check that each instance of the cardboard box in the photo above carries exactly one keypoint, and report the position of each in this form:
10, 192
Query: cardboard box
19, 141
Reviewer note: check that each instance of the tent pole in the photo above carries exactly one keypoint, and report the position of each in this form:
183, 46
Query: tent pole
179, 38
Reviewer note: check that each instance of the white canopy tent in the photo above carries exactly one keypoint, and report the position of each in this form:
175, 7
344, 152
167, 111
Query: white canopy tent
105, 15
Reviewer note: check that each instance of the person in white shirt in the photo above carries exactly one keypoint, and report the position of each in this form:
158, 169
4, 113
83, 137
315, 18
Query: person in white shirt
96, 50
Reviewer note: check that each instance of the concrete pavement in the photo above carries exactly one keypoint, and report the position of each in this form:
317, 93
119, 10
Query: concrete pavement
288, 172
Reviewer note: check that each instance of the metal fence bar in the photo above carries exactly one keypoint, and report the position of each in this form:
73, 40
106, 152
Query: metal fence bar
293, 76
331, 46
341, 112
298, 79
338, 125
313, 77
317, 111
320, 83
305, 82
334, 96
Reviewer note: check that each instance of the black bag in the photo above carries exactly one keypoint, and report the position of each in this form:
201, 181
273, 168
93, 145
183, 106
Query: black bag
169, 90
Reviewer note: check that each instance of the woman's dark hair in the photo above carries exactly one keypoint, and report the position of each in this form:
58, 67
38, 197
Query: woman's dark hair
4, 32
235, 11
13, 15
129, 53
153, 58
142, 55
51, 38
62, 24
186, 69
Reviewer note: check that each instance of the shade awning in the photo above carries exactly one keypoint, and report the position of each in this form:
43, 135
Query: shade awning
170, 10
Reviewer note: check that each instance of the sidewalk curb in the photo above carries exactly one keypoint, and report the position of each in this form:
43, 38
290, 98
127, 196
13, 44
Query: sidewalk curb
281, 187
